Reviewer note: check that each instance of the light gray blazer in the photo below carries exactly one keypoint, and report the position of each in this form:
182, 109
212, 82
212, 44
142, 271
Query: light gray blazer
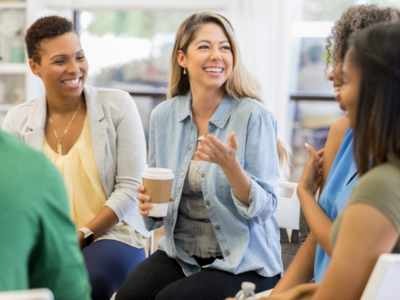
118, 144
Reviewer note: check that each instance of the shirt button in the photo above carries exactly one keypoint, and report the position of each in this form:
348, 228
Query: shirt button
202, 175
190, 149
217, 227
227, 253
208, 203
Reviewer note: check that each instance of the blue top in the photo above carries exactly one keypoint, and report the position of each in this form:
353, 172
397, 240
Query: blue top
248, 236
336, 193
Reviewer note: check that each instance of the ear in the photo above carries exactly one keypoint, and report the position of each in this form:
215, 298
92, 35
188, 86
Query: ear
35, 67
181, 58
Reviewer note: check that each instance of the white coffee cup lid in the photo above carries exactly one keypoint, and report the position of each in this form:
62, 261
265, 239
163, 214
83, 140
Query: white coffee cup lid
158, 174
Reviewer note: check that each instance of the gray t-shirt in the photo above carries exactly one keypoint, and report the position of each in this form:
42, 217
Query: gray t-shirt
194, 232
380, 188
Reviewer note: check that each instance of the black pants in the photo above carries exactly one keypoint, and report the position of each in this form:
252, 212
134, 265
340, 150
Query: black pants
160, 277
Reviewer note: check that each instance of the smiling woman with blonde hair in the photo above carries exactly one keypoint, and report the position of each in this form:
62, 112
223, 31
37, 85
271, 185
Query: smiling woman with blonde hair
221, 143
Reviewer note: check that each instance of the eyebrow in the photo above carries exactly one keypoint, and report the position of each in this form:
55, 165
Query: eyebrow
63, 55
210, 42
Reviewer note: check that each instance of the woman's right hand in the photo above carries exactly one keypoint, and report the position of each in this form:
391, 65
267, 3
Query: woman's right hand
144, 205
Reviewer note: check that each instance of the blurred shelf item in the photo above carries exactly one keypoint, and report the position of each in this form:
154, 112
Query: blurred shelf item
13, 68
12, 4
319, 122
308, 96
4, 107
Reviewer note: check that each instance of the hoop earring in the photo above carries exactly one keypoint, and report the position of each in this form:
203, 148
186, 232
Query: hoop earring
184, 71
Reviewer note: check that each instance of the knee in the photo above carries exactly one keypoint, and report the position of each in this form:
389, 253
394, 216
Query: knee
126, 292
102, 286
169, 293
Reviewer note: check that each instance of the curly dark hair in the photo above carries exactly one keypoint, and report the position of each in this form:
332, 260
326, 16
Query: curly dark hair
353, 20
44, 29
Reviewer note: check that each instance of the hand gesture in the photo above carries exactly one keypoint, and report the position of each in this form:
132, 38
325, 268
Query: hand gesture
217, 152
311, 178
144, 205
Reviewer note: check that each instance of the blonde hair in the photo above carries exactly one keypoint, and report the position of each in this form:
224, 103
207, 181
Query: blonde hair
239, 85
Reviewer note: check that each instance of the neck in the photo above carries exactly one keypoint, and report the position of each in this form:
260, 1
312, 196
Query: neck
205, 101
60, 105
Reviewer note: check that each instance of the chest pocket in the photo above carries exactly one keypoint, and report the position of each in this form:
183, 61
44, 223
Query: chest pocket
222, 183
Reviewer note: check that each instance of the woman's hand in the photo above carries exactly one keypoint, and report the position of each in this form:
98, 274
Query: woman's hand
311, 178
217, 152
144, 206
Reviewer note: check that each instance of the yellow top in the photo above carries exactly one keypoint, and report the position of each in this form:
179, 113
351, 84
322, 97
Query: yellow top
85, 191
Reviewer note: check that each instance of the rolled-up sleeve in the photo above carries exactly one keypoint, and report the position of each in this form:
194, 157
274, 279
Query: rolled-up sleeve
261, 164
131, 160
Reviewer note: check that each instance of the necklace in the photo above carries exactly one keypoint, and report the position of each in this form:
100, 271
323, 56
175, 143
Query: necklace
59, 147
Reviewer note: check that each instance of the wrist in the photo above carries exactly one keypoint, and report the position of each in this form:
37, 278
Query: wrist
231, 167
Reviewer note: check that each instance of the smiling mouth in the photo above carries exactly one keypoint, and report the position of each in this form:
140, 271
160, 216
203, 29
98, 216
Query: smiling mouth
214, 70
72, 82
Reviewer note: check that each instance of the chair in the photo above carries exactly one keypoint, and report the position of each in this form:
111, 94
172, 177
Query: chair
383, 284
35, 294
151, 246
288, 217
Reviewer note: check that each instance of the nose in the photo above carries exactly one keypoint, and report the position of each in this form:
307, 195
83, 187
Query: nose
73, 67
331, 76
215, 54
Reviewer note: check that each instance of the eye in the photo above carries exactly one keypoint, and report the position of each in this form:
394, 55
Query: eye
226, 48
60, 61
204, 47
80, 57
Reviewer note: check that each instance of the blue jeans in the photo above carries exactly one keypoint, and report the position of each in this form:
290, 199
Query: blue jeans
109, 263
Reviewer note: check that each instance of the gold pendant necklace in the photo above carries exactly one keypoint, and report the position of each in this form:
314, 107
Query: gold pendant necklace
59, 147
201, 137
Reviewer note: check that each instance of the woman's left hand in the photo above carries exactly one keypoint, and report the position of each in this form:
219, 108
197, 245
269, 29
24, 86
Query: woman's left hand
217, 152
311, 178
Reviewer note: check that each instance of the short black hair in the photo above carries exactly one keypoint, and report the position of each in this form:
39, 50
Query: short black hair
43, 29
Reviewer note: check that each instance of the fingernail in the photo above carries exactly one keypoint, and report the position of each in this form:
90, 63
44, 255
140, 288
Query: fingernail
306, 144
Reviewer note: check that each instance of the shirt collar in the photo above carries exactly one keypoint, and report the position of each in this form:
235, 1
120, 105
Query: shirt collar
221, 115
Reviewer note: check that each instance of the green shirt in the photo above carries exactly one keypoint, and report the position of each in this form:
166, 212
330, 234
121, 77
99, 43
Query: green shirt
379, 187
38, 241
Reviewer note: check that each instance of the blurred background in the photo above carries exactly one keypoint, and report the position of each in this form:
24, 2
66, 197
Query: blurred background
128, 45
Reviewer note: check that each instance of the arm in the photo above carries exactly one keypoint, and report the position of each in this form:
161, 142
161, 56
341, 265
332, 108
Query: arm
301, 270
150, 222
333, 143
363, 227
320, 224
253, 188
131, 158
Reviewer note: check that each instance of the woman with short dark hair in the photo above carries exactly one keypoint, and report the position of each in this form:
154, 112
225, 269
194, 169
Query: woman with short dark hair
95, 138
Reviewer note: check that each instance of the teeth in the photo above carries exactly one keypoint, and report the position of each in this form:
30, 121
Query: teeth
336, 89
71, 82
213, 70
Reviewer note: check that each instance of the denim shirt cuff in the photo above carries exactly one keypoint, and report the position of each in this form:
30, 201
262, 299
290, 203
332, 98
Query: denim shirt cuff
247, 211
257, 210
152, 223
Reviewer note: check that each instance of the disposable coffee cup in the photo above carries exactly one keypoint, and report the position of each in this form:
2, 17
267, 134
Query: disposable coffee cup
158, 184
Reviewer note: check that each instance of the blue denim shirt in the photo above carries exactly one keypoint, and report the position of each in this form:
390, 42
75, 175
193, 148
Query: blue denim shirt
248, 236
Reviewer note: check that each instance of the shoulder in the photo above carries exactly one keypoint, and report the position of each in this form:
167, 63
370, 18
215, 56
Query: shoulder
254, 111
383, 179
171, 107
21, 112
111, 97
339, 129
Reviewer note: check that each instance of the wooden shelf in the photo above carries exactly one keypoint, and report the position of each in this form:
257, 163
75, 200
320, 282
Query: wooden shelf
13, 68
12, 4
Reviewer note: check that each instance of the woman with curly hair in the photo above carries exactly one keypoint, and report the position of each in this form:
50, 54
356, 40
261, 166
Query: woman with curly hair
339, 173
95, 138
369, 225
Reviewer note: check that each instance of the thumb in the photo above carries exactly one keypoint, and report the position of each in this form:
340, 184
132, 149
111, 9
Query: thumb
313, 155
232, 140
